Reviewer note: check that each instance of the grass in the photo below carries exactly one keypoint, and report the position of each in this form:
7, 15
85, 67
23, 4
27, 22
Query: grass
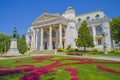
85, 71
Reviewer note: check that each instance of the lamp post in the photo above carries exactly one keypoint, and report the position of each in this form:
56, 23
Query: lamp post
104, 42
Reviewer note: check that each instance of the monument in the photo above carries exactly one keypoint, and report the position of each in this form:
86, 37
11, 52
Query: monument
13, 51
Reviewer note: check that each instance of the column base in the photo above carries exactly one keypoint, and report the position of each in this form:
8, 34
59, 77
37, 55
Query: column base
50, 47
41, 48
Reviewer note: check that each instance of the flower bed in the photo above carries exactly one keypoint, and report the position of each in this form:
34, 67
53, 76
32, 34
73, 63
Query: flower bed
73, 73
3, 67
100, 67
36, 72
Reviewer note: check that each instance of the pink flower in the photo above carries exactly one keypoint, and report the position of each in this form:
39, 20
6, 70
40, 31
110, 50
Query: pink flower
72, 71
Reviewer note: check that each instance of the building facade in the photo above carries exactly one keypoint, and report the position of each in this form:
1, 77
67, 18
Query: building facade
52, 31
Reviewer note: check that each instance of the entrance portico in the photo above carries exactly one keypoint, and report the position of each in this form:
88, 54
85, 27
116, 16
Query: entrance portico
52, 34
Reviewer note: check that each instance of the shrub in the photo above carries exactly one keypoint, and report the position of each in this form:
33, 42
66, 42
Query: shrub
60, 49
100, 52
114, 51
94, 50
65, 50
1, 52
117, 52
70, 49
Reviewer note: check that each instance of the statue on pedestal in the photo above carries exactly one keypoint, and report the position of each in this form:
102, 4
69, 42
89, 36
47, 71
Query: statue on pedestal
13, 51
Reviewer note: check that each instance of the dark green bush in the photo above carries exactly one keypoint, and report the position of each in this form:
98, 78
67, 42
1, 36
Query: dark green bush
114, 51
94, 50
60, 49
70, 49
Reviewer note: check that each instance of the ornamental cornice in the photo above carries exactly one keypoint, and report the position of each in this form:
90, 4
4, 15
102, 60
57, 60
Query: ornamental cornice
104, 19
45, 17
51, 21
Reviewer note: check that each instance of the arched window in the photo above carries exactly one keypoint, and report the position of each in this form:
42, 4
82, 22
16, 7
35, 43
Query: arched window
98, 30
79, 19
97, 16
87, 18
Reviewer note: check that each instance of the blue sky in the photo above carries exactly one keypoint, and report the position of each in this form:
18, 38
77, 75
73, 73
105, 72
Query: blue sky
21, 13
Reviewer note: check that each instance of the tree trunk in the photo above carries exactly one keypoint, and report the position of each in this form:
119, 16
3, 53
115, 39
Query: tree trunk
84, 49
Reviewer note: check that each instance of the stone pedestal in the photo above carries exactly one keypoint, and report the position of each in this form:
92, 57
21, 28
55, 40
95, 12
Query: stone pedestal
13, 51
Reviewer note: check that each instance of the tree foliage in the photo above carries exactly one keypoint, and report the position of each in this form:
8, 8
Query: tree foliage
22, 46
4, 42
115, 29
84, 39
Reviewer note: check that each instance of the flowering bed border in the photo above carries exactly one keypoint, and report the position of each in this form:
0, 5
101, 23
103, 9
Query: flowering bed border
100, 67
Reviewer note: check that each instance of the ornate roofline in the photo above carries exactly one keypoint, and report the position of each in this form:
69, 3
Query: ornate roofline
104, 19
90, 12
48, 14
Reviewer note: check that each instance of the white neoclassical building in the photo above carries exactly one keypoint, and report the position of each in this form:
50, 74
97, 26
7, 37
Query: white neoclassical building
52, 31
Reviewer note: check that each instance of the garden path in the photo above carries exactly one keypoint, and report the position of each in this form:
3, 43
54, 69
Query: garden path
113, 58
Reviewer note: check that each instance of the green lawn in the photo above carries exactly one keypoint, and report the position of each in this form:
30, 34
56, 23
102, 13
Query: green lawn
85, 71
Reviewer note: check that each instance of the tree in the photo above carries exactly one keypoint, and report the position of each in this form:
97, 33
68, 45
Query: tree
4, 41
84, 39
22, 46
115, 29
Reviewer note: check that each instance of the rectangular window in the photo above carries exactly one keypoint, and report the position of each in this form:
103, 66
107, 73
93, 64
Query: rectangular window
53, 33
63, 32
99, 42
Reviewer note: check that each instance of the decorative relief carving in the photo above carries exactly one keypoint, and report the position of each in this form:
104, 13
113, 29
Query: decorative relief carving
45, 17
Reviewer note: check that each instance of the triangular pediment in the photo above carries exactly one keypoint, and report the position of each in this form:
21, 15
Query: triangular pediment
45, 17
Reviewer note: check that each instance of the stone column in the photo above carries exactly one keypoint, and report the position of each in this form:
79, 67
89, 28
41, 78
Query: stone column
34, 39
41, 37
94, 34
50, 37
65, 38
56, 43
60, 36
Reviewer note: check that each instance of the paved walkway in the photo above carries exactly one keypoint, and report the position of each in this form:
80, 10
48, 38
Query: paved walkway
113, 58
